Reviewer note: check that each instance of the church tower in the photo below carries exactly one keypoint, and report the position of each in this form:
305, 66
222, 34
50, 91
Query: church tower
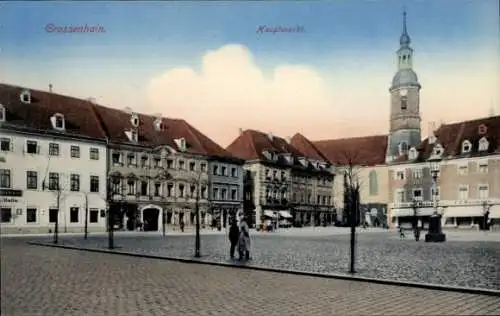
405, 118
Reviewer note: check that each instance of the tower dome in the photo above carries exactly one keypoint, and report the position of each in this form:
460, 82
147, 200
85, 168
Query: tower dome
405, 78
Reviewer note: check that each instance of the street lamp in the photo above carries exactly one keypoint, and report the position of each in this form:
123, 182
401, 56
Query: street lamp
486, 213
435, 233
113, 182
416, 230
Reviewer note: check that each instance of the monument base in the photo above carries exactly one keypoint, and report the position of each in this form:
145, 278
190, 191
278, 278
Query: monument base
435, 237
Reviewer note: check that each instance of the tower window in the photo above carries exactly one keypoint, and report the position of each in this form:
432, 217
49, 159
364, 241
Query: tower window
404, 104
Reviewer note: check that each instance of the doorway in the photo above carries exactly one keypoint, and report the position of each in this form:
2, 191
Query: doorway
150, 219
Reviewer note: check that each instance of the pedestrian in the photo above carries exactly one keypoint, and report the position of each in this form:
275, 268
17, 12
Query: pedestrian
234, 234
401, 232
244, 240
181, 225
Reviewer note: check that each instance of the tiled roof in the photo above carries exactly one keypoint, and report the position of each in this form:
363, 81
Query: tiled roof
363, 151
451, 137
307, 148
251, 144
35, 116
83, 117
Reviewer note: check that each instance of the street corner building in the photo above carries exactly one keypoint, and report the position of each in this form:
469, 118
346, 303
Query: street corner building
77, 161
52, 163
283, 185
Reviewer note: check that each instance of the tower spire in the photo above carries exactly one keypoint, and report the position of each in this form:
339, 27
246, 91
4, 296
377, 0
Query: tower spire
404, 40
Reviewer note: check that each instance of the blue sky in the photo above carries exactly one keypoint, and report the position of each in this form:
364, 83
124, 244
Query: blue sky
145, 39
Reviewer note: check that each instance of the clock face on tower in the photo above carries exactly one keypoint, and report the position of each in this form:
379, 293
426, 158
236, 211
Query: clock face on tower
403, 92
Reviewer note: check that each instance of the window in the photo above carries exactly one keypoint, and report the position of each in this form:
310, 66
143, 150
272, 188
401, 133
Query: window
437, 150
234, 172
399, 196
435, 192
234, 194
466, 146
94, 184
5, 178
463, 192
5, 144
318, 199
215, 194
223, 194
182, 165
94, 153
157, 189
483, 191
399, 175
5, 214
404, 103
463, 170
417, 194
170, 188
268, 174
403, 148
181, 190
224, 170
53, 181
283, 176
483, 144
75, 182
144, 188
31, 215
2, 113
170, 164
417, 173
94, 215
373, 182
275, 174
115, 186
116, 158
31, 147
131, 187
482, 167
192, 166
203, 167
329, 200
144, 161
53, 215
53, 149
216, 170
204, 192
192, 190
59, 121
412, 154
75, 151
131, 160
157, 163
73, 215
31, 180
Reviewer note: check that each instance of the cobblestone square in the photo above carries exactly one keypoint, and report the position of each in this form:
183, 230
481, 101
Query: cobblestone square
48, 281
470, 260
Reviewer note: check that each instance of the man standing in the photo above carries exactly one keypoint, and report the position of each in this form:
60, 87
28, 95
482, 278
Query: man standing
244, 239
234, 234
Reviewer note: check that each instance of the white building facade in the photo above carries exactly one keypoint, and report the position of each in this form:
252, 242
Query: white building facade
40, 174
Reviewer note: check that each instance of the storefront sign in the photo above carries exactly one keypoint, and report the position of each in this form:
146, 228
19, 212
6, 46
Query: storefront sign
10, 192
8, 200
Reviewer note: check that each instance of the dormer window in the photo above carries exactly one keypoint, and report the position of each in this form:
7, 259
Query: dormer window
438, 150
134, 120
303, 161
58, 122
466, 146
25, 97
159, 124
2, 113
181, 143
412, 154
132, 135
482, 129
483, 144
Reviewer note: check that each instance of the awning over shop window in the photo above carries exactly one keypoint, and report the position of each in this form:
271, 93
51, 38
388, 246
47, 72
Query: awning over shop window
464, 211
285, 214
402, 212
269, 214
495, 212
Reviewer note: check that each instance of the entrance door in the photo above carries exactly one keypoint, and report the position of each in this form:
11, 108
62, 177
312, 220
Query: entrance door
150, 219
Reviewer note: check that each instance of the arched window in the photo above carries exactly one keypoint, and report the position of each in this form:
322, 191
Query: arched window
403, 148
373, 182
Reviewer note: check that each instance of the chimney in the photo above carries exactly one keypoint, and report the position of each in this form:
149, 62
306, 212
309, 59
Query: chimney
240, 131
50, 87
270, 136
288, 139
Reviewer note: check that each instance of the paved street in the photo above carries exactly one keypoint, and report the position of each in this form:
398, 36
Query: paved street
47, 281
457, 262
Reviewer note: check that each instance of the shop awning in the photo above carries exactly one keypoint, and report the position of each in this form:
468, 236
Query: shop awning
463, 211
495, 212
285, 214
402, 212
269, 214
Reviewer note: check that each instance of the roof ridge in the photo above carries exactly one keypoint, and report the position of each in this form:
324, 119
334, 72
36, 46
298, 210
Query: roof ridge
477, 120
350, 138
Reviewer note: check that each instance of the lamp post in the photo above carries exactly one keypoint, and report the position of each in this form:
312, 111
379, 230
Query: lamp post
416, 230
113, 181
86, 228
486, 213
197, 244
435, 233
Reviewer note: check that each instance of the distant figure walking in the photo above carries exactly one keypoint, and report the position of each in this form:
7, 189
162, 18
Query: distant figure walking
234, 235
181, 225
401, 232
244, 240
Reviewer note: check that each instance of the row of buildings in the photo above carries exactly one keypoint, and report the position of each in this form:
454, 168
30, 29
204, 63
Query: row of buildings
73, 155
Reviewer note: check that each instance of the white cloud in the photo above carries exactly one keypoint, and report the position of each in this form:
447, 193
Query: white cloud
231, 92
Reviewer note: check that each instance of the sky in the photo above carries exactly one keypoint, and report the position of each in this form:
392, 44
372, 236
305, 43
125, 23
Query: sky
208, 63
